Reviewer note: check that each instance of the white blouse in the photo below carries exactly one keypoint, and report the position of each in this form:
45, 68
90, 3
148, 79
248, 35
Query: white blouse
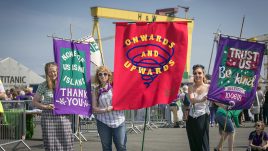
199, 109
112, 119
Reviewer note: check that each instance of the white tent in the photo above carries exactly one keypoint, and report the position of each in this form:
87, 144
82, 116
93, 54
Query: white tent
12, 73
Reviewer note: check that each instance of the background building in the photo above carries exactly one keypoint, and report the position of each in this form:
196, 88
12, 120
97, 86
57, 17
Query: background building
13, 74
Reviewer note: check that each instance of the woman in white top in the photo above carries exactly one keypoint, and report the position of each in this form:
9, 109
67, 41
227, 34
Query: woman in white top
110, 123
2, 91
197, 125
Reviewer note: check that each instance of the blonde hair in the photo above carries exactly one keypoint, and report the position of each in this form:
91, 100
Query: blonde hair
51, 84
103, 69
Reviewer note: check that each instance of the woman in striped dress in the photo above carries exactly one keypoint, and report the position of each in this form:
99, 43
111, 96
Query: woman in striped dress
110, 123
56, 129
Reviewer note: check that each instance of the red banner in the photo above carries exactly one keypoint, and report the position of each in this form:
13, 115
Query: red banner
149, 63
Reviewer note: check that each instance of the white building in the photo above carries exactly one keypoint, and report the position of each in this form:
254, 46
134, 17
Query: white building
12, 73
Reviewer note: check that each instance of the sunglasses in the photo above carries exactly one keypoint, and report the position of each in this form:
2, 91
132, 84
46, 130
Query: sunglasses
102, 74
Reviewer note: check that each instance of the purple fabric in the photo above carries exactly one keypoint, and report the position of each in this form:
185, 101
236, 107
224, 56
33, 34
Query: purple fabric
236, 72
102, 90
73, 89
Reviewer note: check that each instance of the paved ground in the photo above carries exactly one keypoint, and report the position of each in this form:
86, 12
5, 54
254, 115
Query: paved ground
158, 139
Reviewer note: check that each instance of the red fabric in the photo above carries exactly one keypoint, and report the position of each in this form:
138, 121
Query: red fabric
148, 71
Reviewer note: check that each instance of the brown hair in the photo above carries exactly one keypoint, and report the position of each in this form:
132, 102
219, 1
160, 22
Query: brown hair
203, 69
51, 84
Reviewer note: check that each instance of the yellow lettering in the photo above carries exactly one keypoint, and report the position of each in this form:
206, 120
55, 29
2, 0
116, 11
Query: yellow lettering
135, 40
158, 38
127, 42
150, 72
143, 54
165, 42
158, 70
127, 64
151, 37
142, 70
149, 53
165, 67
172, 45
156, 53
171, 62
132, 68
143, 37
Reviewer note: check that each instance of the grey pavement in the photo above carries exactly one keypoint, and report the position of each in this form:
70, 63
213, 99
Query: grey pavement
158, 139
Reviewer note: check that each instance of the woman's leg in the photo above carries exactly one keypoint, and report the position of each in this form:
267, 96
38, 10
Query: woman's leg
222, 139
120, 137
174, 110
198, 133
231, 141
105, 133
265, 116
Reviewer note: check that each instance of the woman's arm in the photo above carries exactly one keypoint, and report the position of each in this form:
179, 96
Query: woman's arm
221, 105
265, 144
193, 100
38, 104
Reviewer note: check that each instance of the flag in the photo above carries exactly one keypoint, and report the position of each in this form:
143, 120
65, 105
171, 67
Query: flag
72, 94
149, 63
236, 72
95, 54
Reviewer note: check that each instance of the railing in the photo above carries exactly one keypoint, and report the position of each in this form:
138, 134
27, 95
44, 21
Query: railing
13, 124
20, 118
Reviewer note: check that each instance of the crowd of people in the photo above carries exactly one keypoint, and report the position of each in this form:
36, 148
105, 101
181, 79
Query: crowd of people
198, 114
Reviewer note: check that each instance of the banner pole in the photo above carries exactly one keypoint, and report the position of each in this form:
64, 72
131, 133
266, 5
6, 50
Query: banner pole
144, 128
79, 133
225, 120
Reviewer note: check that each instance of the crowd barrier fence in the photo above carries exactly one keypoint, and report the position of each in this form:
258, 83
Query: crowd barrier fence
13, 124
20, 119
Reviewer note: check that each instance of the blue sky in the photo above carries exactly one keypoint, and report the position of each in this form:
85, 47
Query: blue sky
25, 24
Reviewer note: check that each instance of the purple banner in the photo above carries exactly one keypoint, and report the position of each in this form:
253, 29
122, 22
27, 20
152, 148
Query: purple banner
72, 94
236, 72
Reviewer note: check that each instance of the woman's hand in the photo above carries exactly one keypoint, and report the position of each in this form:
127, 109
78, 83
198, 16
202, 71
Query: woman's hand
204, 98
50, 107
109, 108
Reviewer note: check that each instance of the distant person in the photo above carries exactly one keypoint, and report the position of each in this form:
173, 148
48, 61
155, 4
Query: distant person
224, 118
265, 108
212, 108
2, 91
257, 104
174, 109
110, 123
9, 95
185, 104
2, 97
56, 129
258, 139
197, 125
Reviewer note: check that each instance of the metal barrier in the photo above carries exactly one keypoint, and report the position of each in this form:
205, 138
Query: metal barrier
14, 127
13, 124
157, 116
